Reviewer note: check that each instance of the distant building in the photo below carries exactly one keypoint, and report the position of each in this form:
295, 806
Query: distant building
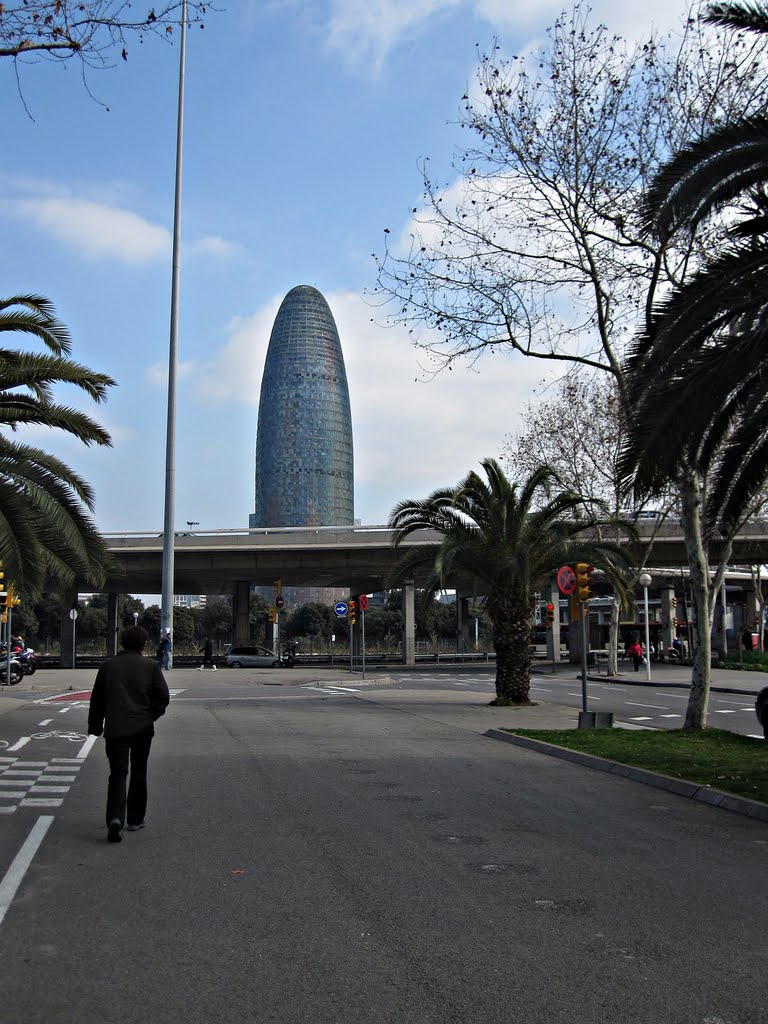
304, 453
189, 600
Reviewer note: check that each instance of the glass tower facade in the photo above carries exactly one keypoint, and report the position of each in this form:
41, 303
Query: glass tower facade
304, 456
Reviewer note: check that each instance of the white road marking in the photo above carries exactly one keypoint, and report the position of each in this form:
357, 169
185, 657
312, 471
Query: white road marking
634, 704
641, 719
591, 696
57, 778
670, 716
15, 873
65, 710
723, 711
49, 789
20, 743
546, 689
12, 796
46, 721
15, 783
39, 801
674, 696
84, 750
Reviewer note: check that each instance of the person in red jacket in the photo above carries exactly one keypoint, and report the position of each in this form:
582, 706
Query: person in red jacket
129, 695
635, 651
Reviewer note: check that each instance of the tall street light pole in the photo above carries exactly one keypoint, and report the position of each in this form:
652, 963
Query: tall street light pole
645, 582
166, 618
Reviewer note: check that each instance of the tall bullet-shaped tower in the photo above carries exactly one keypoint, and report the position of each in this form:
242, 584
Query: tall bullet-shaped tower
304, 456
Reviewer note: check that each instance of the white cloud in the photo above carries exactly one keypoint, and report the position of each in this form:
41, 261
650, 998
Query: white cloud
214, 245
98, 230
367, 30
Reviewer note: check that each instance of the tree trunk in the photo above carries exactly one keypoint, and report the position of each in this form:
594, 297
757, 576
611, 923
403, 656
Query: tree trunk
511, 641
698, 567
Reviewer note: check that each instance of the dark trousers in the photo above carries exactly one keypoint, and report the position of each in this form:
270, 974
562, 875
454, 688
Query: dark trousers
122, 750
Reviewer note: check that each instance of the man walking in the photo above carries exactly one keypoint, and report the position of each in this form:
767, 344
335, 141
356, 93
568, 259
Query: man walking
129, 695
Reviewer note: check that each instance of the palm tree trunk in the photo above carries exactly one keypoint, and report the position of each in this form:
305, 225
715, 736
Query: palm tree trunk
511, 641
698, 566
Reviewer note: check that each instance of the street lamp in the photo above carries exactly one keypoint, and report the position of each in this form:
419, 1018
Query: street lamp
135, 618
166, 605
645, 582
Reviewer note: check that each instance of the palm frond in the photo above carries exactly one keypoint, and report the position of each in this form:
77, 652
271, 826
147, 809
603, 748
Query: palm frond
750, 16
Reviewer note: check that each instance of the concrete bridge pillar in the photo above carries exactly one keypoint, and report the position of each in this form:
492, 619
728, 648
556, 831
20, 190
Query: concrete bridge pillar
464, 641
553, 634
668, 615
409, 623
241, 603
113, 624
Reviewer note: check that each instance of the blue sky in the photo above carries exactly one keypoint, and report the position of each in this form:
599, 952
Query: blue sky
305, 124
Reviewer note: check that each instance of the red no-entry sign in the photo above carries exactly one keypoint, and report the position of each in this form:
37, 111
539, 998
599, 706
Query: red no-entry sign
362, 602
566, 580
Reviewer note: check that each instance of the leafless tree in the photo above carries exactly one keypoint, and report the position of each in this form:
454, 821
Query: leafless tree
95, 32
537, 247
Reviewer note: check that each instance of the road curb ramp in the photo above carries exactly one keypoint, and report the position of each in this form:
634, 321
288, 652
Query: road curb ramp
681, 787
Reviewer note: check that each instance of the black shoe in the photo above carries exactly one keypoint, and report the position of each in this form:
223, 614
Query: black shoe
115, 831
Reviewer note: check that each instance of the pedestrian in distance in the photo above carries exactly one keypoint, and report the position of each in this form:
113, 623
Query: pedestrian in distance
166, 645
761, 710
207, 651
129, 695
635, 651
746, 640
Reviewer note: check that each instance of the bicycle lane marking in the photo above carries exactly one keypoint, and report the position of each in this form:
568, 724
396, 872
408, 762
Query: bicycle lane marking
14, 876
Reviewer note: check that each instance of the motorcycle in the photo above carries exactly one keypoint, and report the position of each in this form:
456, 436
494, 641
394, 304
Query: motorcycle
17, 672
25, 656
288, 658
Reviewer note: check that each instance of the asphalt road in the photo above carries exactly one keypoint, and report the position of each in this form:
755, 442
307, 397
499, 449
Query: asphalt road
324, 857
640, 704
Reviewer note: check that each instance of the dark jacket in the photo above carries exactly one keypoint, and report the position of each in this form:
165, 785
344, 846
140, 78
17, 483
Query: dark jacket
129, 695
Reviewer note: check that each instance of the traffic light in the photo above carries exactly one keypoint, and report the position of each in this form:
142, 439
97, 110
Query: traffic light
549, 618
583, 572
4, 600
675, 622
351, 611
273, 614
674, 602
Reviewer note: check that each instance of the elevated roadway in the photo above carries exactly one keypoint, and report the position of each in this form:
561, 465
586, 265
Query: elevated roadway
358, 557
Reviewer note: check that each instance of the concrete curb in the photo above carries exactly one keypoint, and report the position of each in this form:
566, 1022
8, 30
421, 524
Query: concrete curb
681, 787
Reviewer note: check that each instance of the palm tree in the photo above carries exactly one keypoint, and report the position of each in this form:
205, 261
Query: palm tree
502, 540
46, 534
709, 337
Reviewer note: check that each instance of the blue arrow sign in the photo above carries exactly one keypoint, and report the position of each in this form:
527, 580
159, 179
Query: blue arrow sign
341, 609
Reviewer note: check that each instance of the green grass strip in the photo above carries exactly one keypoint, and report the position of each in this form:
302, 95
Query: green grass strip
713, 757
